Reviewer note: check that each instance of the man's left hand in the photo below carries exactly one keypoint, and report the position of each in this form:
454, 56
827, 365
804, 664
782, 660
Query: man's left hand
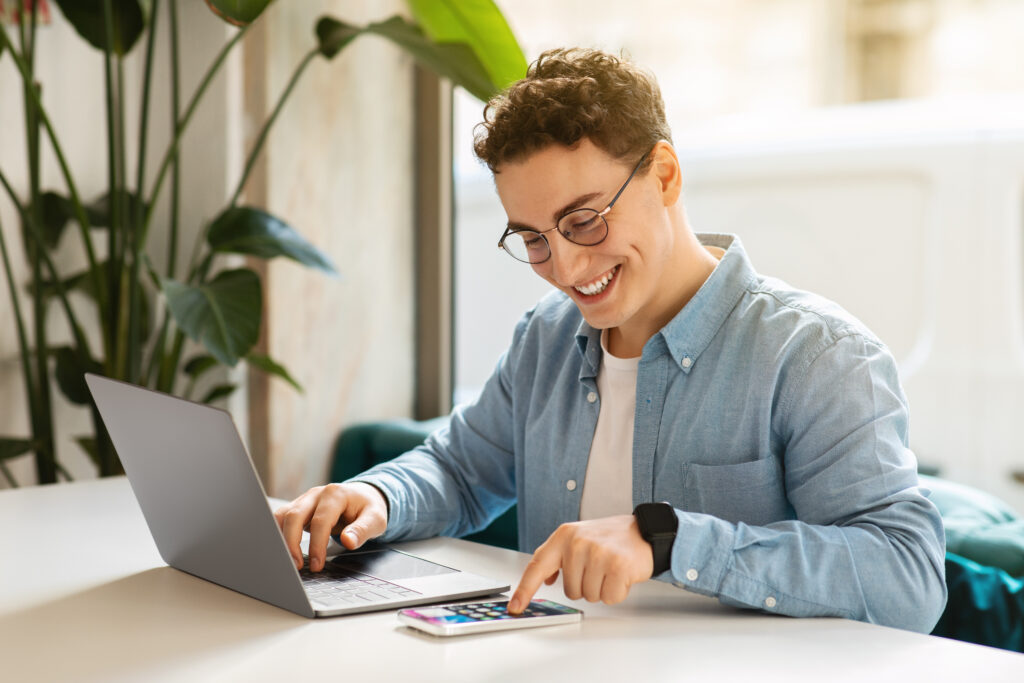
599, 559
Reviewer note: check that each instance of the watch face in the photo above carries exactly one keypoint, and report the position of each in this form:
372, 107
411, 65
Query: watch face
656, 518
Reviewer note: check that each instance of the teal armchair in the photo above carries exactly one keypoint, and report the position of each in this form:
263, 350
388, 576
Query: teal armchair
362, 446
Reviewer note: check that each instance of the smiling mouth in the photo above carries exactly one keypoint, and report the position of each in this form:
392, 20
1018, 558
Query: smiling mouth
598, 286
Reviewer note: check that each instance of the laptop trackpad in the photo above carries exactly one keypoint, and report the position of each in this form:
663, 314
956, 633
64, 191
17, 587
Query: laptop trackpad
389, 565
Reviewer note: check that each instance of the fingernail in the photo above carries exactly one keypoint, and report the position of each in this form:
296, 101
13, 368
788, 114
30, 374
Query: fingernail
513, 605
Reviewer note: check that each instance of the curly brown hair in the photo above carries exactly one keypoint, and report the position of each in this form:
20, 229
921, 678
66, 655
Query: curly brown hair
570, 94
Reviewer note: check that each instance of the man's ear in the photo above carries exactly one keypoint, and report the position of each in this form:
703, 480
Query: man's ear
666, 170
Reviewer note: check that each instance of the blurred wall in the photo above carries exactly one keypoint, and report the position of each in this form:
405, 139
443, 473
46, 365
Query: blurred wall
338, 167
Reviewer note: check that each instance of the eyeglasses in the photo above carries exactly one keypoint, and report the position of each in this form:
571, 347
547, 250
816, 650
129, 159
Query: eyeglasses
586, 227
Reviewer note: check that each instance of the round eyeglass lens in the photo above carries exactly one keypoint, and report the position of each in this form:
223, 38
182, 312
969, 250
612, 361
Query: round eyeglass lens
527, 246
583, 226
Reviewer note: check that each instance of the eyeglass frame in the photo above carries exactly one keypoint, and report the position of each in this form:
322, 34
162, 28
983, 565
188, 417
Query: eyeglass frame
511, 230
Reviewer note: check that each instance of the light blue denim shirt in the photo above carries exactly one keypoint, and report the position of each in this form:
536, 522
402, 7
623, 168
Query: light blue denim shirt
771, 419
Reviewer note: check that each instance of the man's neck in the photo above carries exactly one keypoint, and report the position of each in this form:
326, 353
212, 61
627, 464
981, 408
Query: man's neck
696, 263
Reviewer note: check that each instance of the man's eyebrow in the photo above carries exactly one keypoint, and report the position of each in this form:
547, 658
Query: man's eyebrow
574, 204
571, 206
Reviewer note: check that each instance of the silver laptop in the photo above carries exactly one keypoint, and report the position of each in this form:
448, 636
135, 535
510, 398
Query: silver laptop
209, 515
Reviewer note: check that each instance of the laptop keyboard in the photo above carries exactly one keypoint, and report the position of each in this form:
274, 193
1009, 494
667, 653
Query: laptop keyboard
344, 588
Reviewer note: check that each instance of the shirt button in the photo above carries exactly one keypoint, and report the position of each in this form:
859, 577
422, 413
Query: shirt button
692, 574
687, 362
591, 397
769, 602
571, 484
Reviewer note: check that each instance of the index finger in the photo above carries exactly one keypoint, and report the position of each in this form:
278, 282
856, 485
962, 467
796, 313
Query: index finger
545, 563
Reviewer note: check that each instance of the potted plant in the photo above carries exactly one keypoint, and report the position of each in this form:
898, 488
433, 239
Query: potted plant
144, 310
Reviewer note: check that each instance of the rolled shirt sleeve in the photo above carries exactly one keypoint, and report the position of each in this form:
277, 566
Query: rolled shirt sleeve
866, 544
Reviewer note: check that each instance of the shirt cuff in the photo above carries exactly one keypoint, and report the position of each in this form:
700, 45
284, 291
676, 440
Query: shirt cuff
701, 553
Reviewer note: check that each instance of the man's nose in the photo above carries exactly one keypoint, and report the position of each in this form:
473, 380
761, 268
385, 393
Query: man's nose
568, 260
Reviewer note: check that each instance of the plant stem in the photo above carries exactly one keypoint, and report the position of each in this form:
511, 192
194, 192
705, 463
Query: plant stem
134, 323
157, 352
33, 22
113, 205
42, 408
261, 138
83, 220
172, 250
124, 308
172, 150
62, 293
169, 367
63, 472
7, 475
250, 162
172, 247
23, 347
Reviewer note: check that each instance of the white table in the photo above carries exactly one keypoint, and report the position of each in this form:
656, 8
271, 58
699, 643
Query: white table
85, 596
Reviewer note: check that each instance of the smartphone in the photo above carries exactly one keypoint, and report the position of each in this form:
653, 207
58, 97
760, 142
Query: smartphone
455, 620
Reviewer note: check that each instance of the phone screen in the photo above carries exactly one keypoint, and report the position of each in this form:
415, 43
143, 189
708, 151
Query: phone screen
453, 619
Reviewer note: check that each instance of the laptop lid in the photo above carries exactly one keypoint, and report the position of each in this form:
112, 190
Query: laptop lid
205, 506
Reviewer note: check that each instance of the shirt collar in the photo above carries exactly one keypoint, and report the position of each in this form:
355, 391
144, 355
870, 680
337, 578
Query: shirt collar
692, 329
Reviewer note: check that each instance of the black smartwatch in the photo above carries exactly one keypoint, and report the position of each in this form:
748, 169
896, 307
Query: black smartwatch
658, 524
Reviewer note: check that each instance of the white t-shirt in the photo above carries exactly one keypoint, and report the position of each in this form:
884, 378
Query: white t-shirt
608, 488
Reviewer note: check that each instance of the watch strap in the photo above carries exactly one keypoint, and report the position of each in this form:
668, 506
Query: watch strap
660, 535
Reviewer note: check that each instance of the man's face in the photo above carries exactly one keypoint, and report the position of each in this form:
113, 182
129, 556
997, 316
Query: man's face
623, 282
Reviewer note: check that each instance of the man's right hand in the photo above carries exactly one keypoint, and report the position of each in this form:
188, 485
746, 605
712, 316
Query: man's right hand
356, 511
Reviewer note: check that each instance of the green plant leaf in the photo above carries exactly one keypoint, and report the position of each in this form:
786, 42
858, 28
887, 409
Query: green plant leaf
223, 314
219, 391
70, 374
238, 12
12, 448
479, 24
82, 282
454, 61
268, 365
246, 230
333, 35
79, 281
99, 213
197, 366
56, 210
130, 19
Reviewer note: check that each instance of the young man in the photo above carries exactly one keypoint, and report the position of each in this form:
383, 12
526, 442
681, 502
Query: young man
769, 421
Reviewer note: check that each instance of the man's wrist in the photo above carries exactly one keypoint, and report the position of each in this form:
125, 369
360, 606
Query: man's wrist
383, 494
658, 524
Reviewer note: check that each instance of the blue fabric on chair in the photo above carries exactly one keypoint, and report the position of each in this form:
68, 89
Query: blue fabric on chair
362, 446
985, 606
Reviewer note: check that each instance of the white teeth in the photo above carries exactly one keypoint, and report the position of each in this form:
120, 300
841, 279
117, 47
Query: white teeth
598, 286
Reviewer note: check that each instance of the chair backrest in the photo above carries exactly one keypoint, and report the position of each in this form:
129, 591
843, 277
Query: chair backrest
361, 446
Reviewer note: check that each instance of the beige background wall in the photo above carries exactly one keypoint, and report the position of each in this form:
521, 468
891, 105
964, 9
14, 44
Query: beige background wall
339, 168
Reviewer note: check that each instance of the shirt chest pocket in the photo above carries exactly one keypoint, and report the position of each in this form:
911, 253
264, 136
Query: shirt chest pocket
749, 492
